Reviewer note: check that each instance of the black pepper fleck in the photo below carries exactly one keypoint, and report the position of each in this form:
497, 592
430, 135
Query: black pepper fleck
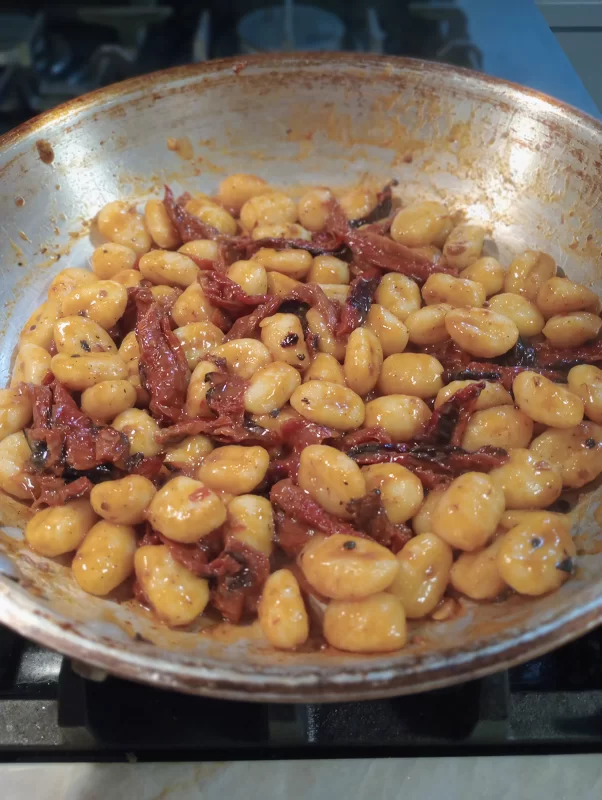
290, 340
300, 356
84, 345
350, 545
566, 565
536, 542
590, 443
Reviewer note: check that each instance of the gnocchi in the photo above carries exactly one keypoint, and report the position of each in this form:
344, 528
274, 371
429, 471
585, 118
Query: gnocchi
329, 455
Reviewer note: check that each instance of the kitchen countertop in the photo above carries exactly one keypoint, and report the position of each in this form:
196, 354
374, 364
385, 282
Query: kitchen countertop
497, 778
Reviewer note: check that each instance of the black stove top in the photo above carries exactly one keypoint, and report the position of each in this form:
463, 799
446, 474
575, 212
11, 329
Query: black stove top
49, 713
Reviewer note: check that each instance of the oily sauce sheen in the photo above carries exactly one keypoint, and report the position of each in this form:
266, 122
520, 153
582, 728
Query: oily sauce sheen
330, 414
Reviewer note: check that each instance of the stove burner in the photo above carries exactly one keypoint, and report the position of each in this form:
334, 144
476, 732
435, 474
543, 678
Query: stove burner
49, 712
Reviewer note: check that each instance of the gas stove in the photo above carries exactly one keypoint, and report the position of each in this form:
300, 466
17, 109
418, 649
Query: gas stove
52, 54
49, 712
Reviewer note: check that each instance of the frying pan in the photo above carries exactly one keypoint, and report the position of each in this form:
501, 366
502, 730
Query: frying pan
524, 165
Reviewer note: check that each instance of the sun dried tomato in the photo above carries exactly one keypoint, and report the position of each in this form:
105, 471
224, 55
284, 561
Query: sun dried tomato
448, 422
188, 226
363, 436
300, 506
227, 295
384, 205
238, 593
297, 434
163, 366
369, 515
357, 305
291, 536
53, 491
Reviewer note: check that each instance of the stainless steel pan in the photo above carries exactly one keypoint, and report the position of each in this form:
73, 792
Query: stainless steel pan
529, 167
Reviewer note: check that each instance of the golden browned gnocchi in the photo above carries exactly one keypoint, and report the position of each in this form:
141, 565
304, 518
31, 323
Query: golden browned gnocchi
481, 332
414, 374
477, 575
527, 482
79, 336
32, 365
15, 454
119, 222
421, 224
282, 614
55, 531
79, 372
162, 230
528, 272
105, 558
174, 592
464, 244
375, 624
191, 306
536, 556
282, 335
250, 276
332, 403
424, 570
198, 339
345, 568
454, 292
103, 302
398, 294
497, 426
123, 501
329, 404
427, 324
106, 400
314, 208
271, 387
39, 328
15, 411
185, 510
332, 478
235, 190
363, 361
469, 511
522, 311
401, 416
110, 258
243, 357
488, 272
251, 521
167, 268
234, 469
392, 333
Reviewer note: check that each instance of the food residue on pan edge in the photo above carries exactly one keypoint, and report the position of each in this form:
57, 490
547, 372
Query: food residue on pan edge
45, 151
182, 146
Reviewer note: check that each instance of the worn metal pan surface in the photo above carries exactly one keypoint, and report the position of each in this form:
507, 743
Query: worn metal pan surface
527, 166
